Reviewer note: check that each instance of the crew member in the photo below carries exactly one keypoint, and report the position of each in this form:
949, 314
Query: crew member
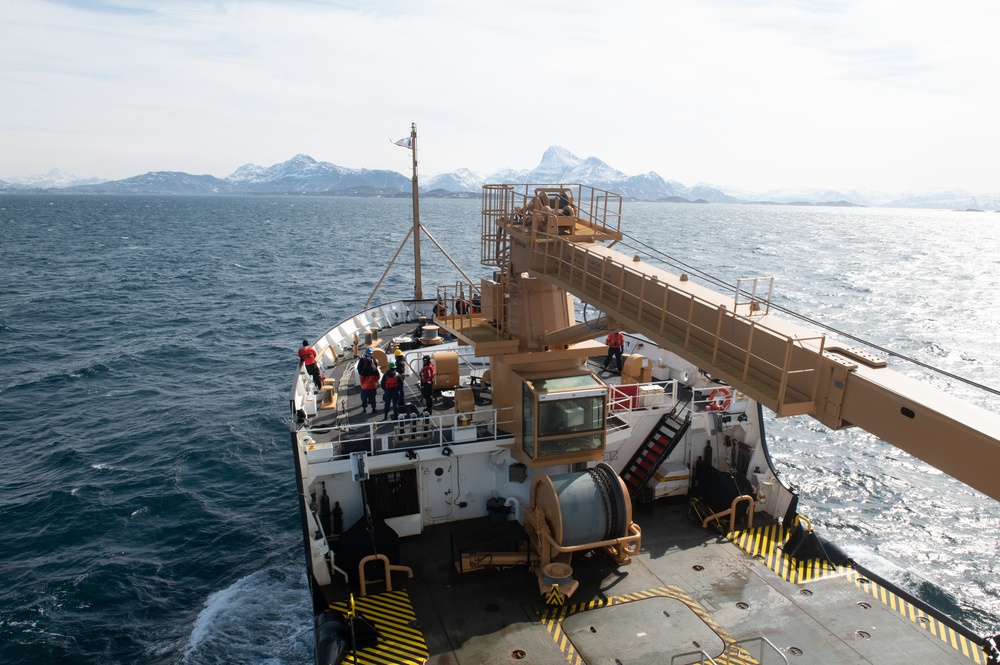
427, 384
307, 355
368, 374
392, 391
400, 363
439, 308
615, 342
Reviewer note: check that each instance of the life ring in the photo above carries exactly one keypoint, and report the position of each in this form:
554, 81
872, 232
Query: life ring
719, 400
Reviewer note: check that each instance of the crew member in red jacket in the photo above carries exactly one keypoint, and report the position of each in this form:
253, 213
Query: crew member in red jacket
307, 355
427, 383
615, 342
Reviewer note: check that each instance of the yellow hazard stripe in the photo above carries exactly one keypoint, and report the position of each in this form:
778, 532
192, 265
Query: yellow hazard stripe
764, 543
400, 642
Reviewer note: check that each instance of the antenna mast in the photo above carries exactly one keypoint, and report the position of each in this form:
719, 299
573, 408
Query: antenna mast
418, 291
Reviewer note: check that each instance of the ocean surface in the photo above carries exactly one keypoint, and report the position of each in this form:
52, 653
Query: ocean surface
147, 500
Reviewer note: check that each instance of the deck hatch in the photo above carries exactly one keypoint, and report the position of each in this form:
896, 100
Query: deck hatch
574, 622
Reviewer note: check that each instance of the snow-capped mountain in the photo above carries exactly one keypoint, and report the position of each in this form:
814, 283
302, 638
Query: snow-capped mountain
302, 173
159, 182
53, 179
559, 165
462, 180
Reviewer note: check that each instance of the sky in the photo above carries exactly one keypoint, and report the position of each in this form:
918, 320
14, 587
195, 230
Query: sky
754, 95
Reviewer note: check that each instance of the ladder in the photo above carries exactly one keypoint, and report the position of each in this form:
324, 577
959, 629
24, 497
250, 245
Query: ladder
657, 447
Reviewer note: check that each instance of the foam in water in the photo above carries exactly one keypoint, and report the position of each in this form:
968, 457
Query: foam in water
257, 619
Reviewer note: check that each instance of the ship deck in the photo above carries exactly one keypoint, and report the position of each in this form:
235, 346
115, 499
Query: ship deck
689, 590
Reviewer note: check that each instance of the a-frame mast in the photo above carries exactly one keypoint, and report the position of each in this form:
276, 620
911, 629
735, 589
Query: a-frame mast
418, 291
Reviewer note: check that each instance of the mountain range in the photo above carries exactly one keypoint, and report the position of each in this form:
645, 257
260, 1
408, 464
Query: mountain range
305, 176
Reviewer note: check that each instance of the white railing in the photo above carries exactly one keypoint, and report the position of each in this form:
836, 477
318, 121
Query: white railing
412, 433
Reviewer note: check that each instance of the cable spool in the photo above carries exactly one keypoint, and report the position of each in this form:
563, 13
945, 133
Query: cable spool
586, 507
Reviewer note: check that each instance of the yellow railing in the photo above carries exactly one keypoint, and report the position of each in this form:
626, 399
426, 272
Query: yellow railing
769, 365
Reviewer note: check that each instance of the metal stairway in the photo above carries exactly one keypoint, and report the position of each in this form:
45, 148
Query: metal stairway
657, 447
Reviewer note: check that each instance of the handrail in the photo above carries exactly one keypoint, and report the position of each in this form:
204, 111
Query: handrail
408, 430
731, 511
737, 645
699, 652
760, 653
634, 295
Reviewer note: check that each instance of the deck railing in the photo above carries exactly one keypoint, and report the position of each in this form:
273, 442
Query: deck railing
419, 432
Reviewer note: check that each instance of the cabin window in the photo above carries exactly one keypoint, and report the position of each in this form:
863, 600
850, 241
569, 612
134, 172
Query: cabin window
563, 415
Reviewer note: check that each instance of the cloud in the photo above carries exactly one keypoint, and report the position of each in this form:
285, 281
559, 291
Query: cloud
741, 93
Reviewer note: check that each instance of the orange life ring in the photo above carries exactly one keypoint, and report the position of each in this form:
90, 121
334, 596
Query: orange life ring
719, 400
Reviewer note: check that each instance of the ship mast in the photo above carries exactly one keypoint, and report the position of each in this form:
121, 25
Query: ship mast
418, 291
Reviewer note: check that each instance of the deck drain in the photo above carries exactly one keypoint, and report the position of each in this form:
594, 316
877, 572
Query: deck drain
698, 567
743, 606
414, 624
864, 635
805, 592
517, 654
864, 580
865, 606
795, 651
922, 620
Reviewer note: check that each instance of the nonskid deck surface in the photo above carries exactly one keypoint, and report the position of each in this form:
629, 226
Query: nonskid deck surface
689, 589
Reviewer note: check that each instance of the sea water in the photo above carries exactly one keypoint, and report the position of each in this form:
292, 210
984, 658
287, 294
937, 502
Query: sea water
147, 500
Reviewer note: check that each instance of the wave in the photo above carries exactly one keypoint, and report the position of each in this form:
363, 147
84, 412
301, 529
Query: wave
256, 619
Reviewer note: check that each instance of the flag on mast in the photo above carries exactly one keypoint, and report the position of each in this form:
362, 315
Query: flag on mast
405, 143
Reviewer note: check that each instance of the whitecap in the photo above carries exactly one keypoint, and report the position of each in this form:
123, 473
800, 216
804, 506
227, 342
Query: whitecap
265, 616
97, 466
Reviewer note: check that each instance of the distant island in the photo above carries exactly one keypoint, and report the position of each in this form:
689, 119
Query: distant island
303, 175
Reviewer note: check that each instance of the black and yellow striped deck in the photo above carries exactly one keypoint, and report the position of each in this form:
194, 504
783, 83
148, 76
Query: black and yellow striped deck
765, 544
553, 618
400, 641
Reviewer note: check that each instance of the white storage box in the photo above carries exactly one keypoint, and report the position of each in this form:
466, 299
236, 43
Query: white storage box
319, 452
671, 479
650, 396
